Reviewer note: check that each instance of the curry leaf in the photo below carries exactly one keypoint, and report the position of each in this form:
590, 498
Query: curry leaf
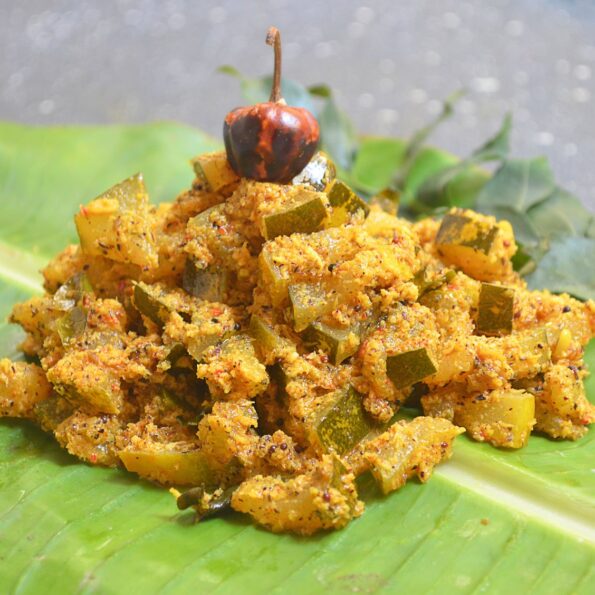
230, 70
419, 138
374, 165
545, 218
567, 267
434, 192
560, 214
524, 230
497, 147
518, 185
323, 91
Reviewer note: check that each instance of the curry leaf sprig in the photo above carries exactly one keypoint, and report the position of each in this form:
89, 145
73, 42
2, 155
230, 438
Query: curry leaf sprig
555, 232
437, 192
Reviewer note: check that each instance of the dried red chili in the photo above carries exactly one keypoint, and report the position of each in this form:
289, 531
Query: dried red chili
271, 141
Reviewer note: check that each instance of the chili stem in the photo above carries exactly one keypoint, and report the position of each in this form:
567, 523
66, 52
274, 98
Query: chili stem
274, 39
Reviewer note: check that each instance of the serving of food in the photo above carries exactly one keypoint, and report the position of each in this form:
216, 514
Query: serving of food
268, 337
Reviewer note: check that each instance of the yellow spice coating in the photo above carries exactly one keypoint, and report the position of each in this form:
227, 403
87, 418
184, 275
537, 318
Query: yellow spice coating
137, 369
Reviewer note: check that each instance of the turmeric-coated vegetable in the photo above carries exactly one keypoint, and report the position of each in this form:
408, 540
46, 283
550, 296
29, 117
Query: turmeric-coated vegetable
250, 345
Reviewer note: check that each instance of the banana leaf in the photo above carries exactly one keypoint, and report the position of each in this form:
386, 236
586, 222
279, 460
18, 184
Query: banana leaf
488, 521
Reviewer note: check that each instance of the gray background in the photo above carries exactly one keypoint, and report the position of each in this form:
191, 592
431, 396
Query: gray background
389, 62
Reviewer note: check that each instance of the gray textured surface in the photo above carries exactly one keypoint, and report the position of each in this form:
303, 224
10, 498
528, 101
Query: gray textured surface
389, 61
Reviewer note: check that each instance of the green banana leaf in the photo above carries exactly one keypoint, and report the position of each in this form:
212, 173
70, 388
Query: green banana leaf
488, 521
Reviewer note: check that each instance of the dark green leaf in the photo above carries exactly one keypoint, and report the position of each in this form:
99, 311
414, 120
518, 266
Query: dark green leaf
454, 186
375, 163
323, 91
518, 185
230, 70
418, 140
497, 147
567, 267
560, 214
436, 192
430, 163
524, 231
522, 262
463, 189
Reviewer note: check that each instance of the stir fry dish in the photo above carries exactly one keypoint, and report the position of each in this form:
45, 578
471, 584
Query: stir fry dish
261, 342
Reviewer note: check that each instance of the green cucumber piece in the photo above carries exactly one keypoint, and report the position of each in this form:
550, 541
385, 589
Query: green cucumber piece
459, 230
304, 216
339, 344
308, 302
213, 171
344, 423
272, 279
340, 195
266, 339
409, 367
50, 413
495, 310
425, 283
151, 302
207, 283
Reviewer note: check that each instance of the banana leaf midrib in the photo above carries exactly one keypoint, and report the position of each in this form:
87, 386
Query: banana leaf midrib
527, 494
19, 267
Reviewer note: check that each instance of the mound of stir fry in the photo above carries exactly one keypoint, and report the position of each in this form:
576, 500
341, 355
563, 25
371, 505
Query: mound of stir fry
254, 342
